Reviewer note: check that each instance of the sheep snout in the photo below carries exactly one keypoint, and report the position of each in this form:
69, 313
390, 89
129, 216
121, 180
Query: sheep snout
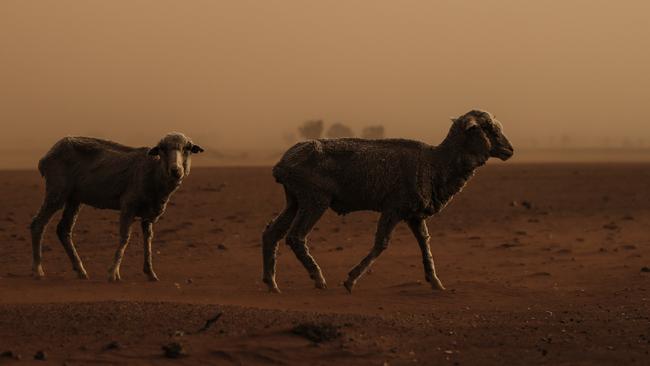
176, 164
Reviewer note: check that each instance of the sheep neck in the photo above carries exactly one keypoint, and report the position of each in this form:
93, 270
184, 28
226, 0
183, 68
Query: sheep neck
163, 186
456, 167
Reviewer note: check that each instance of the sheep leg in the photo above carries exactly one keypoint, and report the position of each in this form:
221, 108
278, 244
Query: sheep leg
275, 231
40, 221
296, 239
387, 223
64, 232
126, 220
421, 233
147, 234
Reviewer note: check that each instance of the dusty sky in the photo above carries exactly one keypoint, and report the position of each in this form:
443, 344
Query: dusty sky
245, 73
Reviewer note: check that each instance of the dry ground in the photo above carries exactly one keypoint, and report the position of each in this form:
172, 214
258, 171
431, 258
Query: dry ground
558, 282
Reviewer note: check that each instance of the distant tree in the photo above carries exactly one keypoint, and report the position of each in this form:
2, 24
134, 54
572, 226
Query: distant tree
312, 129
339, 130
373, 132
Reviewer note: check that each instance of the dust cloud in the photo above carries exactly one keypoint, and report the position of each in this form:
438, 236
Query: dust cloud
240, 76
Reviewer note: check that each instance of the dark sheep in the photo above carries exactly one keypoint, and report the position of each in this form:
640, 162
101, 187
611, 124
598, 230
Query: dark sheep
103, 174
404, 180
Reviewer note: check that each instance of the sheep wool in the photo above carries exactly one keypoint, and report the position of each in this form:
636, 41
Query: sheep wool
402, 179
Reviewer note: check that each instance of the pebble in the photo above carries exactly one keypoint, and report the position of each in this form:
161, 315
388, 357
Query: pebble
40, 355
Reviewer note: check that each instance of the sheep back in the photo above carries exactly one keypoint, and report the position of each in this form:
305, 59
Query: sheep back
360, 174
98, 172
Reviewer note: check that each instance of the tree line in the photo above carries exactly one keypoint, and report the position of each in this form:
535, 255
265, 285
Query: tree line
315, 129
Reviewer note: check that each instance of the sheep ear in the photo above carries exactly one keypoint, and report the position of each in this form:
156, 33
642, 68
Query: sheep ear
453, 120
197, 149
154, 151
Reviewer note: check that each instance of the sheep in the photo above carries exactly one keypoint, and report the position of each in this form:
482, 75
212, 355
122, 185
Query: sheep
103, 174
403, 180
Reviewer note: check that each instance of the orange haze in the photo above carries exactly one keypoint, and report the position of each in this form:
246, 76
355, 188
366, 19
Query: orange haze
243, 74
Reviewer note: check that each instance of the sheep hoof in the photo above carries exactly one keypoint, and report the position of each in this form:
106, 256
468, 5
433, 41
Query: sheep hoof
273, 287
82, 275
437, 285
321, 284
152, 277
349, 285
37, 272
114, 277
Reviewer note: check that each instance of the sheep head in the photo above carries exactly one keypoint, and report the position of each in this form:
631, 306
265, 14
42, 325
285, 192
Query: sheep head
482, 134
174, 152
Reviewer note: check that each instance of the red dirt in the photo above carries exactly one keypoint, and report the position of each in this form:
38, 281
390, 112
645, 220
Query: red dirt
557, 283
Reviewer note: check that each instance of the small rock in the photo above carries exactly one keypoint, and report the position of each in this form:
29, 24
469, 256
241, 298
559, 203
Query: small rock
113, 345
527, 204
611, 226
174, 350
339, 248
508, 245
540, 274
222, 247
40, 356
645, 269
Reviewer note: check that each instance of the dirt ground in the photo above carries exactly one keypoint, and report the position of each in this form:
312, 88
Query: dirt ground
543, 265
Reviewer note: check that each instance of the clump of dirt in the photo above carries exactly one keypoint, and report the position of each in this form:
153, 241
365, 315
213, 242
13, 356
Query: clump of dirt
526, 204
40, 356
509, 245
611, 226
10, 354
174, 350
317, 332
113, 345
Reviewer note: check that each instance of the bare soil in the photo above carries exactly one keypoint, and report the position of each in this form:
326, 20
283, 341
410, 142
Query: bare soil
543, 265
